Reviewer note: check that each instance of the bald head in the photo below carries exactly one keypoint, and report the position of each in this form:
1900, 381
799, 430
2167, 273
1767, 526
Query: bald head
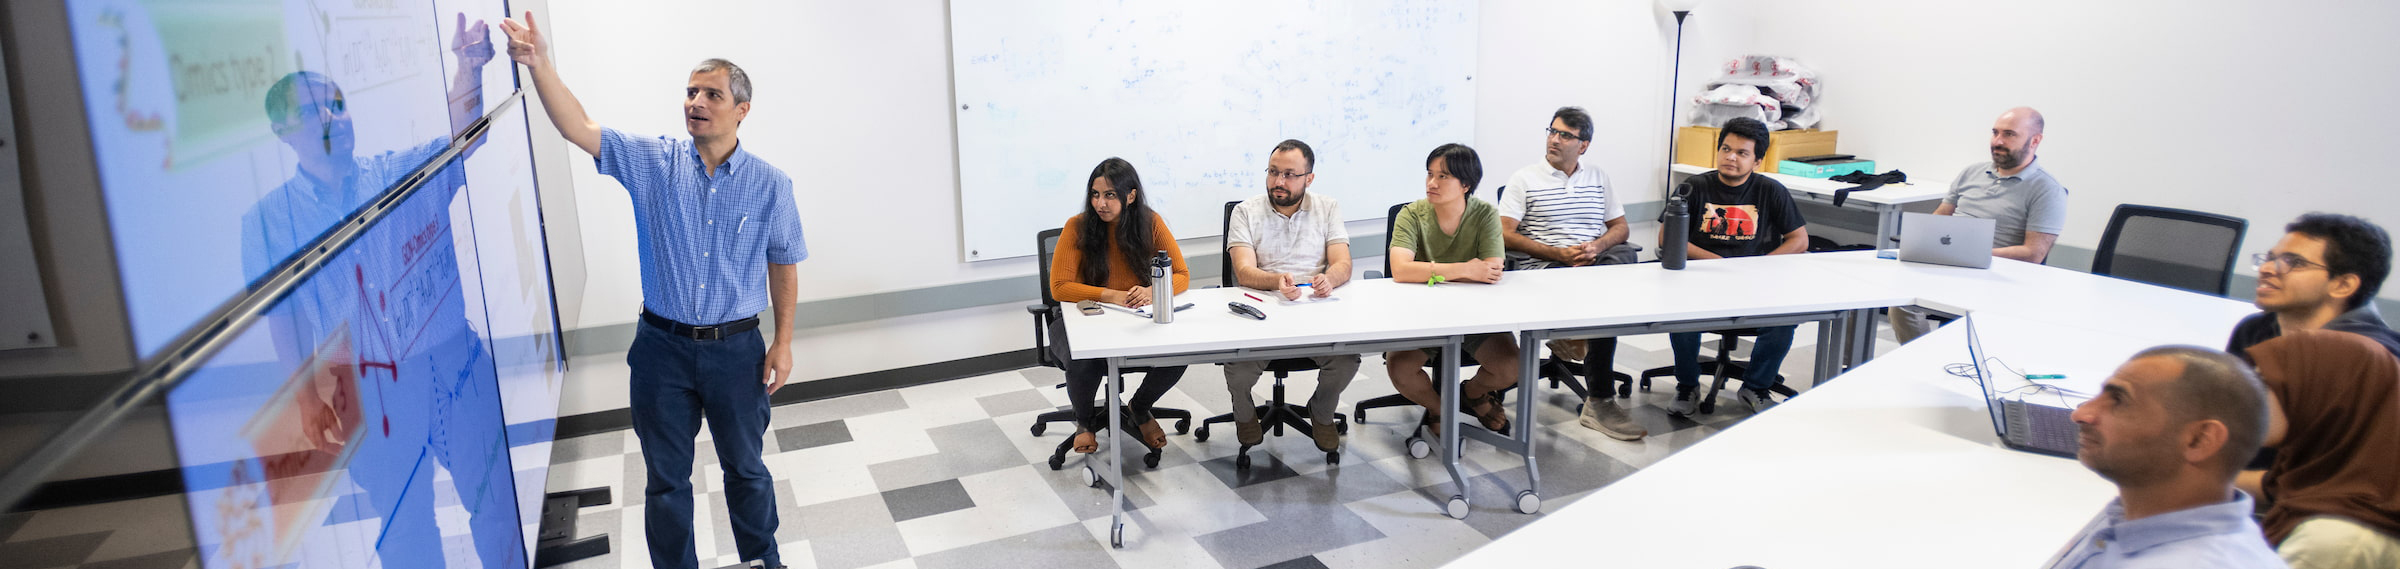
2016, 136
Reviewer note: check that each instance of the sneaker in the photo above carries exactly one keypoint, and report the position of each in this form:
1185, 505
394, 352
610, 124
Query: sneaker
1605, 416
1248, 433
1685, 403
1757, 400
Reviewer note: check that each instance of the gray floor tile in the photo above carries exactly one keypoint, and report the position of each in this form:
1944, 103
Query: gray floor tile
926, 500
1287, 537
66, 550
611, 443
1014, 402
1059, 547
1306, 562
819, 411
969, 448
812, 436
1264, 467
850, 533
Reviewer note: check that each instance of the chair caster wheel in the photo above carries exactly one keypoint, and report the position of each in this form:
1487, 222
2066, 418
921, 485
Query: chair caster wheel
1456, 508
1058, 462
1150, 460
1242, 461
1333, 457
1201, 435
1039, 428
1419, 448
1708, 407
1528, 503
1183, 426
1091, 477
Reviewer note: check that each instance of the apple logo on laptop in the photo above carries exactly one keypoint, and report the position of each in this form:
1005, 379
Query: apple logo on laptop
1945, 240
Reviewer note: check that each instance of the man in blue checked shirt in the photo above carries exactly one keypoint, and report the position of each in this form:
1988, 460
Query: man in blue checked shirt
718, 237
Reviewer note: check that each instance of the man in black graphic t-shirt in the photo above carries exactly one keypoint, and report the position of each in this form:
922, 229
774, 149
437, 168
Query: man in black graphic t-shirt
1741, 215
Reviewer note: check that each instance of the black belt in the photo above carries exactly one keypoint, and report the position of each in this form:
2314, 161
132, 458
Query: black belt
716, 332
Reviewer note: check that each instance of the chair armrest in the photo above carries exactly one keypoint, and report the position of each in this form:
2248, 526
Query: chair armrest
1038, 309
1375, 274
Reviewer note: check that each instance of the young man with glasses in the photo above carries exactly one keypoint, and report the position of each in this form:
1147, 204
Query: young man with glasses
2323, 275
1291, 241
1559, 213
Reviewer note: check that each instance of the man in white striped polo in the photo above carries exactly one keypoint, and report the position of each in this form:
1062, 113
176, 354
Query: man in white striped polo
1561, 212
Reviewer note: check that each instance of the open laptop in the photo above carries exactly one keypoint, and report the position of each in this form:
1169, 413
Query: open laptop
2025, 426
1946, 240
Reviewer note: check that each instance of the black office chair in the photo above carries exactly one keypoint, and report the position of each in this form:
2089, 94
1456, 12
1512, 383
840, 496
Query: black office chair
1561, 372
1417, 447
1731, 368
1046, 313
1275, 415
2174, 248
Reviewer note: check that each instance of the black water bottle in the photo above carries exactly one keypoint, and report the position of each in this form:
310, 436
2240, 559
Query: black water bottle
1678, 224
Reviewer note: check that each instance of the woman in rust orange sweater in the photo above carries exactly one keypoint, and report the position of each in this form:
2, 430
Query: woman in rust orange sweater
1104, 255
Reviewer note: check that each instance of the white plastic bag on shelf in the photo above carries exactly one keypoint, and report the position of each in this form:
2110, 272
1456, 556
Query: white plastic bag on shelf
1728, 102
1792, 86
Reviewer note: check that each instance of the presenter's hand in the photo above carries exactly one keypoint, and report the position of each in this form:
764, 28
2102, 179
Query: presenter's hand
473, 44
778, 368
525, 43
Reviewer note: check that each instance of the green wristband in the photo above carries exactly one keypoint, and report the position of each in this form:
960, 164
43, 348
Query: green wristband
1437, 279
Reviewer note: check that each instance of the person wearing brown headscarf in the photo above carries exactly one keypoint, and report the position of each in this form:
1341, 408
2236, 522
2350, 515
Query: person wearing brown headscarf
2335, 424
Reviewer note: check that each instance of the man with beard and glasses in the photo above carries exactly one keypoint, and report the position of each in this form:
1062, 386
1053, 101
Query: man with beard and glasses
1561, 212
1281, 241
2170, 429
2028, 206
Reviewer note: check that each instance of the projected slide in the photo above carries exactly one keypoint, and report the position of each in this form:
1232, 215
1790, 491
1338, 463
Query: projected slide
507, 251
358, 424
231, 133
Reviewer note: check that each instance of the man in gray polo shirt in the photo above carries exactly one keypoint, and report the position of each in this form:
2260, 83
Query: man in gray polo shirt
2027, 206
1291, 241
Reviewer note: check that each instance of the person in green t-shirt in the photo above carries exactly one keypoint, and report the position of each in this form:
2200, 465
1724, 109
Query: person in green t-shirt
1451, 237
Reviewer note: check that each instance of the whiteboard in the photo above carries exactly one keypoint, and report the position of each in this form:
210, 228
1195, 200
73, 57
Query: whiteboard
1196, 95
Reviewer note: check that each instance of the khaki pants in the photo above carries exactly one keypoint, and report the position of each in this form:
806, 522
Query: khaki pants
2329, 542
1909, 322
1333, 375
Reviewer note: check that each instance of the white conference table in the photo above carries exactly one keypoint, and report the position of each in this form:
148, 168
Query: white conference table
1887, 202
1380, 315
1896, 463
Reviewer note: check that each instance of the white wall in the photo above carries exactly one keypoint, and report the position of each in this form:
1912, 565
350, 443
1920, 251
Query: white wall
2262, 110
853, 100
2217, 106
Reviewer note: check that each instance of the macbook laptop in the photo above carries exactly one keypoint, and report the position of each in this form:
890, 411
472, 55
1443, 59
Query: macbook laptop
1946, 240
2022, 425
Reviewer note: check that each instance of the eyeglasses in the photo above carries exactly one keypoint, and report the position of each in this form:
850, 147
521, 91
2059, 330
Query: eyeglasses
1561, 134
1273, 174
2283, 262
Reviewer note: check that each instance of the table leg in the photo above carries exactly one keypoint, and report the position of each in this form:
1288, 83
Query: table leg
1116, 456
1830, 349
1528, 376
1887, 226
1456, 506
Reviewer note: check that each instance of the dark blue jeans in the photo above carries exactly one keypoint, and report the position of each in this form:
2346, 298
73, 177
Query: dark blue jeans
1766, 357
677, 381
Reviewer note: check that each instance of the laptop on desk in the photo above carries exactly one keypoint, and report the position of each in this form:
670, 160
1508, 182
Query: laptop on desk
2022, 425
1946, 240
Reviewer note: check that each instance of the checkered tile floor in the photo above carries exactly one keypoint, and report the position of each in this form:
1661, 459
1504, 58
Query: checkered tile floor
948, 475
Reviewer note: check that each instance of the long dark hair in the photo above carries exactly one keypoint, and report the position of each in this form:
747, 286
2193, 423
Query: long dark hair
1133, 225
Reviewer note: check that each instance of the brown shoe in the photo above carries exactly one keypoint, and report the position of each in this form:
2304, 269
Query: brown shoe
1249, 433
1153, 436
1086, 442
1490, 412
1328, 435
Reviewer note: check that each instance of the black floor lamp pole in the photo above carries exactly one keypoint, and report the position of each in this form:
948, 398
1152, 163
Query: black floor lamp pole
1673, 84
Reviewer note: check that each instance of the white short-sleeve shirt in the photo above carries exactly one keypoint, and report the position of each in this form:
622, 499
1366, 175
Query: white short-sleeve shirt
1288, 244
